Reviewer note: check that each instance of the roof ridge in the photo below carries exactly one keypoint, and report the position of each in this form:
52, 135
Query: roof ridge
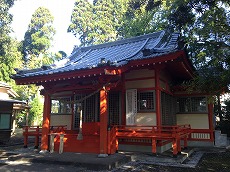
142, 46
121, 41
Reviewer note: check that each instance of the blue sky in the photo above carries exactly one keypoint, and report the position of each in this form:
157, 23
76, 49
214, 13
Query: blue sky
60, 9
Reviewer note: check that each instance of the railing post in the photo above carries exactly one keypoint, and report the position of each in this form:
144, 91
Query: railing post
116, 139
174, 146
51, 142
25, 133
110, 142
61, 143
174, 143
154, 146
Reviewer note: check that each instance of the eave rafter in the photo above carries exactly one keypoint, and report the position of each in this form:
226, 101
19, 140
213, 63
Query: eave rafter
85, 84
67, 76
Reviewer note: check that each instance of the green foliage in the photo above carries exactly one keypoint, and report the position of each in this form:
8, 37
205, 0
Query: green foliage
142, 17
82, 21
209, 47
5, 19
10, 56
10, 59
98, 22
37, 39
36, 111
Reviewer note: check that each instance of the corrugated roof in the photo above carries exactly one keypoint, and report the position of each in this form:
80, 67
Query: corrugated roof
116, 53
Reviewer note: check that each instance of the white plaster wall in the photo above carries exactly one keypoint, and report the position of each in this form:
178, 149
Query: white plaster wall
146, 119
61, 120
197, 121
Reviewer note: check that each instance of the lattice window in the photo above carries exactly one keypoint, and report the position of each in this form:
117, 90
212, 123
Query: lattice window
146, 101
91, 112
168, 105
90, 109
76, 122
192, 104
114, 105
61, 105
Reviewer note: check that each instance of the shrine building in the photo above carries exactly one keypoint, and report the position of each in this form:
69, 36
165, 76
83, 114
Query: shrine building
123, 95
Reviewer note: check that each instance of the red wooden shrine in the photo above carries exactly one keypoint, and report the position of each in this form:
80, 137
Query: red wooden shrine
122, 95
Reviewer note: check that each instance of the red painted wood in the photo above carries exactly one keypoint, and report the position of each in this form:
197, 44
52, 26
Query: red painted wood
46, 122
158, 95
60, 76
210, 120
40, 80
89, 144
91, 128
154, 145
103, 121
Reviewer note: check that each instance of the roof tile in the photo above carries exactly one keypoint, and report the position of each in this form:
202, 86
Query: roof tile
118, 53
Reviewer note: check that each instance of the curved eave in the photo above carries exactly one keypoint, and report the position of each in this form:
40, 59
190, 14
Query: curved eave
176, 62
84, 73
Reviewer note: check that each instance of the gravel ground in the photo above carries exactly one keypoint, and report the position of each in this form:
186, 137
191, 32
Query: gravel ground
210, 160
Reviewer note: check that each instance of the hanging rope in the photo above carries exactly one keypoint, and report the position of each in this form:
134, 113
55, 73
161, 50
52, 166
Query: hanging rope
84, 98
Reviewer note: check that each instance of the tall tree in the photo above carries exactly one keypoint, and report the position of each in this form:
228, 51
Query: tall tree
108, 14
142, 17
98, 22
10, 57
82, 21
38, 37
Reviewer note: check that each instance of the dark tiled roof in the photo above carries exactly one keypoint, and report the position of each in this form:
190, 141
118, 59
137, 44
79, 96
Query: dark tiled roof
116, 53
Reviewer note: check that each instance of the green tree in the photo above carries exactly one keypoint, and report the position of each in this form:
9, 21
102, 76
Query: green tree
36, 111
98, 22
35, 49
10, 56
82, 21
9, 59
38, 37
205, 25
142, 17
108, 14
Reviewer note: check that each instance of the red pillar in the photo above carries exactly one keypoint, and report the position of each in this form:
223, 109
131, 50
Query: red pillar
46, 122
210, 120
158, 97
103, 122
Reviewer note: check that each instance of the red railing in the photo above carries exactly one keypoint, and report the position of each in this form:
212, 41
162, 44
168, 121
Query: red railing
31, 131
173, 134
36, 132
